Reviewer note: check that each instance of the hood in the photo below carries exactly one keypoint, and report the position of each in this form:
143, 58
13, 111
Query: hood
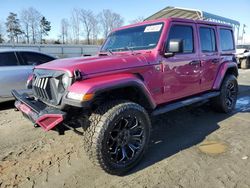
97, 64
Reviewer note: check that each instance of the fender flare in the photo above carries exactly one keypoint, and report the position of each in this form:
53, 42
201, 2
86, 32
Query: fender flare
224, 68
106, 83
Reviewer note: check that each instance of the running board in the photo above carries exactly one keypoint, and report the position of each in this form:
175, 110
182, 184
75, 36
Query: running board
186, 102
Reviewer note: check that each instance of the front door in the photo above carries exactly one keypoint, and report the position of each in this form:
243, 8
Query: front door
182, 71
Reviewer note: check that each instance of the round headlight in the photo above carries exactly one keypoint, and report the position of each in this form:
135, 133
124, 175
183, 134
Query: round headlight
65, 81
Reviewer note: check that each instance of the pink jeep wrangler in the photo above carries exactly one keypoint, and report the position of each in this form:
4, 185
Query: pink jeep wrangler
142, 70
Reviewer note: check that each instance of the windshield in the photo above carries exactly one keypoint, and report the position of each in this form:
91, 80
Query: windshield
136, 38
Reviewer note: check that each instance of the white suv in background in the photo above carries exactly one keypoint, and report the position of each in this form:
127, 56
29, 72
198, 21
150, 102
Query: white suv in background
243, 56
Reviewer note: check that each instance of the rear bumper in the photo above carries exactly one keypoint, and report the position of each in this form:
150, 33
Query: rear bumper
37, 112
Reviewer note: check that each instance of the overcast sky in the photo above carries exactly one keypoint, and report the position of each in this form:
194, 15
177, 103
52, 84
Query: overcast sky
55, 10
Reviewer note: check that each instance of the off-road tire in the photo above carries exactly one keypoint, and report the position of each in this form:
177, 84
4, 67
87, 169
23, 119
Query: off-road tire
99, 129
245, 63
219, 103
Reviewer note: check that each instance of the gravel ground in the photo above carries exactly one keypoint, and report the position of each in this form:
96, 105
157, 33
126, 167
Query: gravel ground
190, 147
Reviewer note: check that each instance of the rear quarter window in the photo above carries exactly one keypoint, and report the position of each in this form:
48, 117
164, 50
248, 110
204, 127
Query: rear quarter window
226, 40
32, 58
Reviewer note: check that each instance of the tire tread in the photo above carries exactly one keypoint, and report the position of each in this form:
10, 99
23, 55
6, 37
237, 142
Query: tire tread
94, 133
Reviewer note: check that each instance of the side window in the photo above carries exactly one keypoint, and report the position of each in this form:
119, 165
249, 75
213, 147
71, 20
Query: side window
31, 58
184, 33
226, 40
207, 38
8, 59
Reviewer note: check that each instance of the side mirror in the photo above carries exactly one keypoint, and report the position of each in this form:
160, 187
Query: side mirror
174, 46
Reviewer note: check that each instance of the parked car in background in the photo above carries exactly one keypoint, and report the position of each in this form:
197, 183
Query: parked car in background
15, 68
243, 56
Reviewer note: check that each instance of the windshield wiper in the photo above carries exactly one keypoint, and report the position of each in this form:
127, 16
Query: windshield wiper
110, 51
104, 52
129, 48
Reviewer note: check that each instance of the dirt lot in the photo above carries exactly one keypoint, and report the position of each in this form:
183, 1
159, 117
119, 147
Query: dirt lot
192, 147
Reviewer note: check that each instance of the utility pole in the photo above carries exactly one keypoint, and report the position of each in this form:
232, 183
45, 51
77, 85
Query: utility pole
243, 32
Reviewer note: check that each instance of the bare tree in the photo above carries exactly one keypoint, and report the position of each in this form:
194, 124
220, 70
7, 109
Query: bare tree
75, 23
88, 21
25, 23
64, 30
109, 21
95, 30
34, 18
137, 20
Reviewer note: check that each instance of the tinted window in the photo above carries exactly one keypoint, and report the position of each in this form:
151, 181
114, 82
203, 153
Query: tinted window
207, 38
8, 59
184, 33
31, 58
226, 40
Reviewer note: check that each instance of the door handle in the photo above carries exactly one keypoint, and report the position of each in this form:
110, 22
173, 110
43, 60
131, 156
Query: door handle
215, 61
195, 62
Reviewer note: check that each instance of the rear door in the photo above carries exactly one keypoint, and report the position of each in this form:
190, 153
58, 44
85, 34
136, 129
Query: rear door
12, 74
209, 55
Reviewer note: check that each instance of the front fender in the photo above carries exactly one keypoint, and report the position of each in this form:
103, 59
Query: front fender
109, 82
224, 68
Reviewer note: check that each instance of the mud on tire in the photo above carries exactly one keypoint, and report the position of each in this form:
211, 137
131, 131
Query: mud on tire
117, 136
226, 101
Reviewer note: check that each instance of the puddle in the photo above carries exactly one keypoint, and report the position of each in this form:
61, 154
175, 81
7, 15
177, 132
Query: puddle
212, 147
243, 104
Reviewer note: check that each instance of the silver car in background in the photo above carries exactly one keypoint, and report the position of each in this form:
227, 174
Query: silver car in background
15, 68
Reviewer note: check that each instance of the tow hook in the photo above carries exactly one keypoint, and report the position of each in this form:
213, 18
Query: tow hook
35, 125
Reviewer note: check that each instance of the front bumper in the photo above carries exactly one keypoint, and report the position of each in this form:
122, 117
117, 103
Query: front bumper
37, 112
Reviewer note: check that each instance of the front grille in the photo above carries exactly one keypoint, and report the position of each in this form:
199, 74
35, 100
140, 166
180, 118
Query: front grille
41, 87
47, 86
